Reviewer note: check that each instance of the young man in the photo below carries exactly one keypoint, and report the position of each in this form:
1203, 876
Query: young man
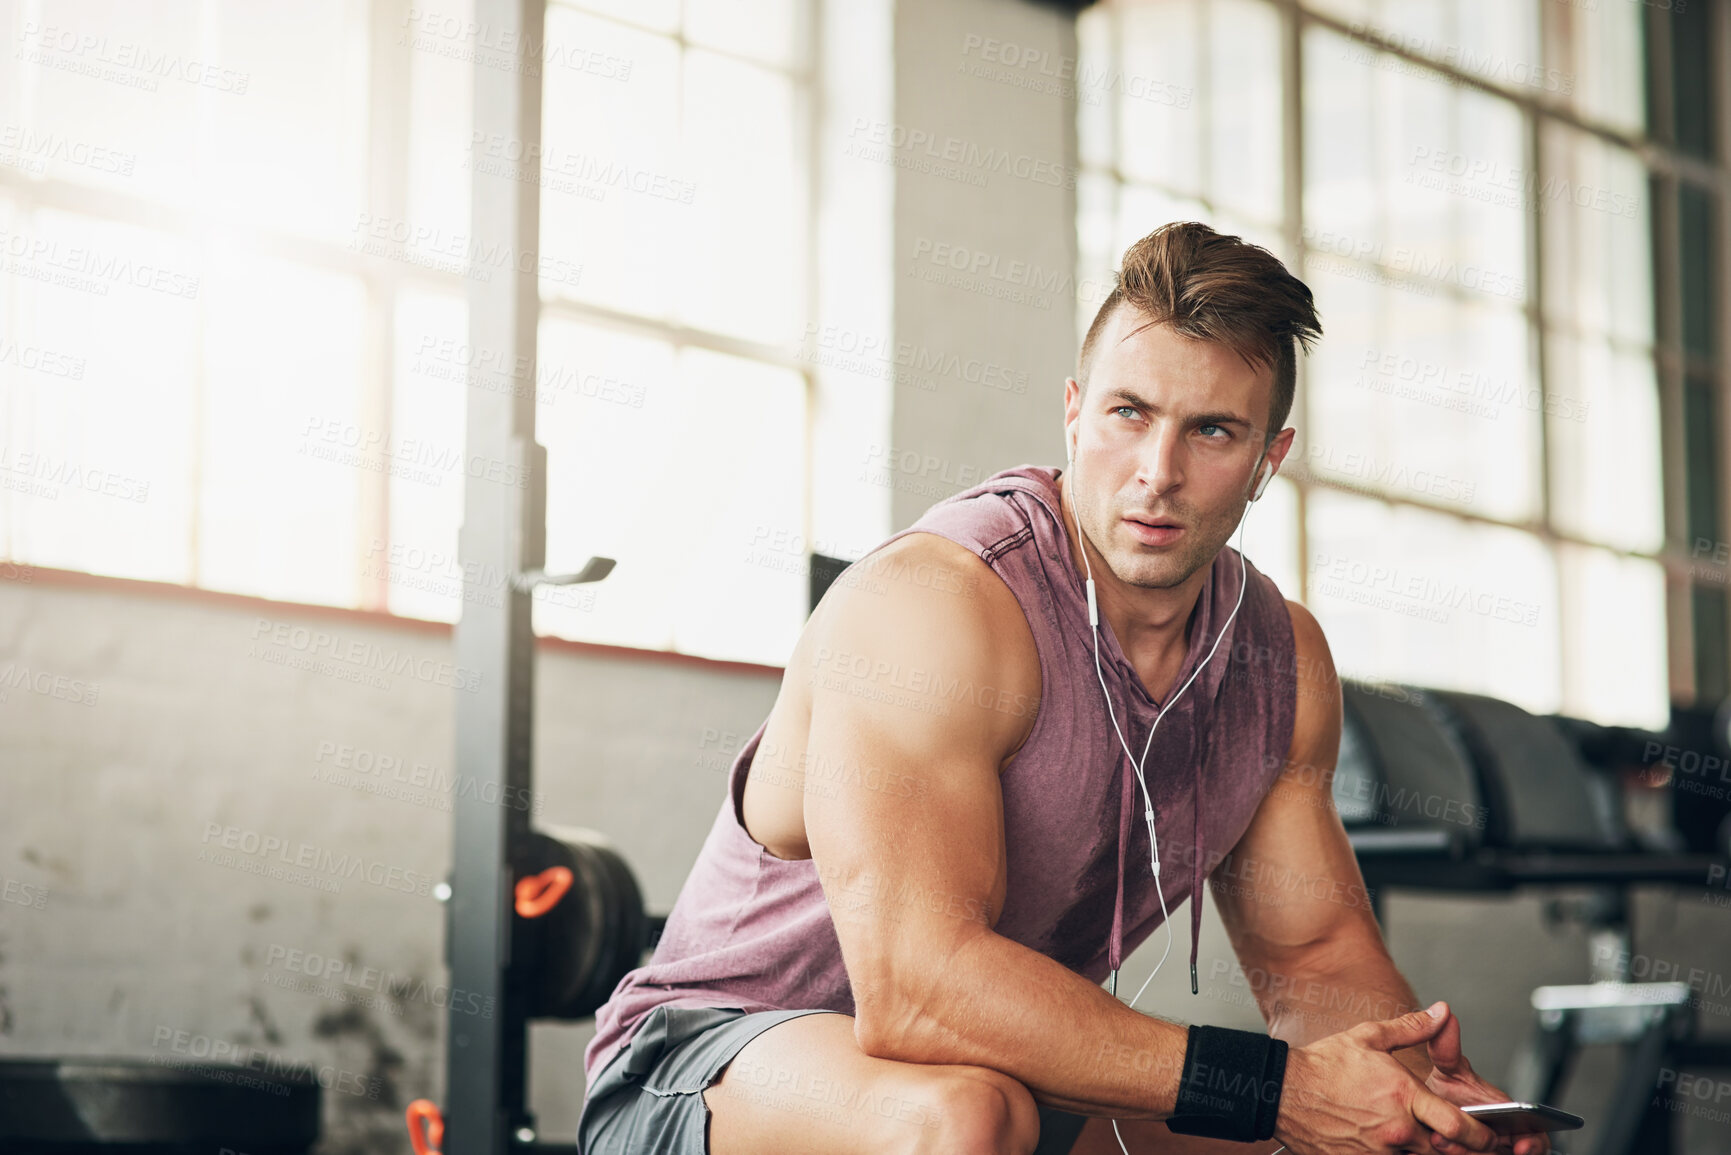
942, 839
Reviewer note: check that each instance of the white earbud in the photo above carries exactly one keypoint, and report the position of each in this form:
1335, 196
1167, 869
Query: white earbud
1262, 480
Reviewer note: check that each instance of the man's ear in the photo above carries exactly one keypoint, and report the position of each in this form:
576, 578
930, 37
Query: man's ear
1280, 447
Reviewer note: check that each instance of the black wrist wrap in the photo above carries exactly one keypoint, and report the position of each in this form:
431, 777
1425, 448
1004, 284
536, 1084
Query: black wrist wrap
1230, 1088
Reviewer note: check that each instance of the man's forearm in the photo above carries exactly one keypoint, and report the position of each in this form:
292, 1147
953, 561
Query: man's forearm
995, 1003
1306, 1001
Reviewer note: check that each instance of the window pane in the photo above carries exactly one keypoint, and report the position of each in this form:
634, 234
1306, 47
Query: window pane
145, 111
1244, 108
1592, 200
1494, 40
1271, 536
1697, 252
1409, 173
416, 573
1712, 655
1701, 459
1096, 238
287, 449
694, 453
441, 95
742, 269
659, 15
766, 30
1604, 444
287, 148
96, 450
605, 141
1616, 672
1340, 184
1692, 80
1601, 48
1413, 596
1426, 398
1159, 131
1096, 32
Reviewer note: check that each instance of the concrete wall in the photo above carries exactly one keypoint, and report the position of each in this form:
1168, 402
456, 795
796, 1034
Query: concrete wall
183, 739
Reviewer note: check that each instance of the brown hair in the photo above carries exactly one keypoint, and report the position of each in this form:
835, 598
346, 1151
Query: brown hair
1213, 287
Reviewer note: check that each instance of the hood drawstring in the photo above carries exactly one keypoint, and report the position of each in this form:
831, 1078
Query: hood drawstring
1197, 849
1126, 806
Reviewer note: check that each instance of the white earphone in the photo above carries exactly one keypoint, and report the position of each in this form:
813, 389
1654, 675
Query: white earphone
1264, 475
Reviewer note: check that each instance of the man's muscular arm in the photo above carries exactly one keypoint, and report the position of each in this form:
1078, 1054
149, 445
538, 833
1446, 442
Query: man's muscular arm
930, 687
1291, 896
1296, 910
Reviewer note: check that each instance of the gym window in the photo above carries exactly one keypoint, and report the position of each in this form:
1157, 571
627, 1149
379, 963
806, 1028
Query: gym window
1507, 424
275, 403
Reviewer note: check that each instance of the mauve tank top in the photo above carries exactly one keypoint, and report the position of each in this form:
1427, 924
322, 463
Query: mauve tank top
753, 931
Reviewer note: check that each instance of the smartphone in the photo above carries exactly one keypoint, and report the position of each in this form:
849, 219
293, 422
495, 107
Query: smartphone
1523, 1118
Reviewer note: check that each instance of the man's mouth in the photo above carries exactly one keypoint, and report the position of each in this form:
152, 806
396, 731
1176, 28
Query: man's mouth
1153, 530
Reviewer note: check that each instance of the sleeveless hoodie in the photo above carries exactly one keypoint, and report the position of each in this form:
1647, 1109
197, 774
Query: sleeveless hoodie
753, 931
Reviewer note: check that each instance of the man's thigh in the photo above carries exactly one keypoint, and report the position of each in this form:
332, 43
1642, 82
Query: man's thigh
1142, 1137
805, 1086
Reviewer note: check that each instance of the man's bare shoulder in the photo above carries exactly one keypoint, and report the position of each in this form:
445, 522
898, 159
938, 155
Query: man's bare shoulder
1317, 721
929, 617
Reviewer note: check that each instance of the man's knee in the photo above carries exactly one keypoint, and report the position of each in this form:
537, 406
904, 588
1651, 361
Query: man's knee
983, 1112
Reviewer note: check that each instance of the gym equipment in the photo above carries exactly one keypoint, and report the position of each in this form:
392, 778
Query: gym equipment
109, 1106
1461, 793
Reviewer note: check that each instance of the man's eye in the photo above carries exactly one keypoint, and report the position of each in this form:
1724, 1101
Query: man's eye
1130, 409
1218, 431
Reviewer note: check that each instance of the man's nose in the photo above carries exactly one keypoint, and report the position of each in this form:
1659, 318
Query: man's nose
1162, 466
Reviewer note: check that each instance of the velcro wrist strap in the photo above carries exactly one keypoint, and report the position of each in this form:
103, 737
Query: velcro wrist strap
1231, 1085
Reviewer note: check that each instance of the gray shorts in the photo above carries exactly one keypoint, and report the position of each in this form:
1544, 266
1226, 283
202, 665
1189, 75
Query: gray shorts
649, 1099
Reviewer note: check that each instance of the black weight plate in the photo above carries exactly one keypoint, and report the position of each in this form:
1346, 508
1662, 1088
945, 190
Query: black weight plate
67, 1104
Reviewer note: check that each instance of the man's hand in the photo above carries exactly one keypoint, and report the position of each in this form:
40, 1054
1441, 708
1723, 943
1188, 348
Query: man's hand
1346, 1095
1455, 1080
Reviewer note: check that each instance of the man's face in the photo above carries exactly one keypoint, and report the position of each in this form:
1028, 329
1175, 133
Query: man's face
1168, 440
